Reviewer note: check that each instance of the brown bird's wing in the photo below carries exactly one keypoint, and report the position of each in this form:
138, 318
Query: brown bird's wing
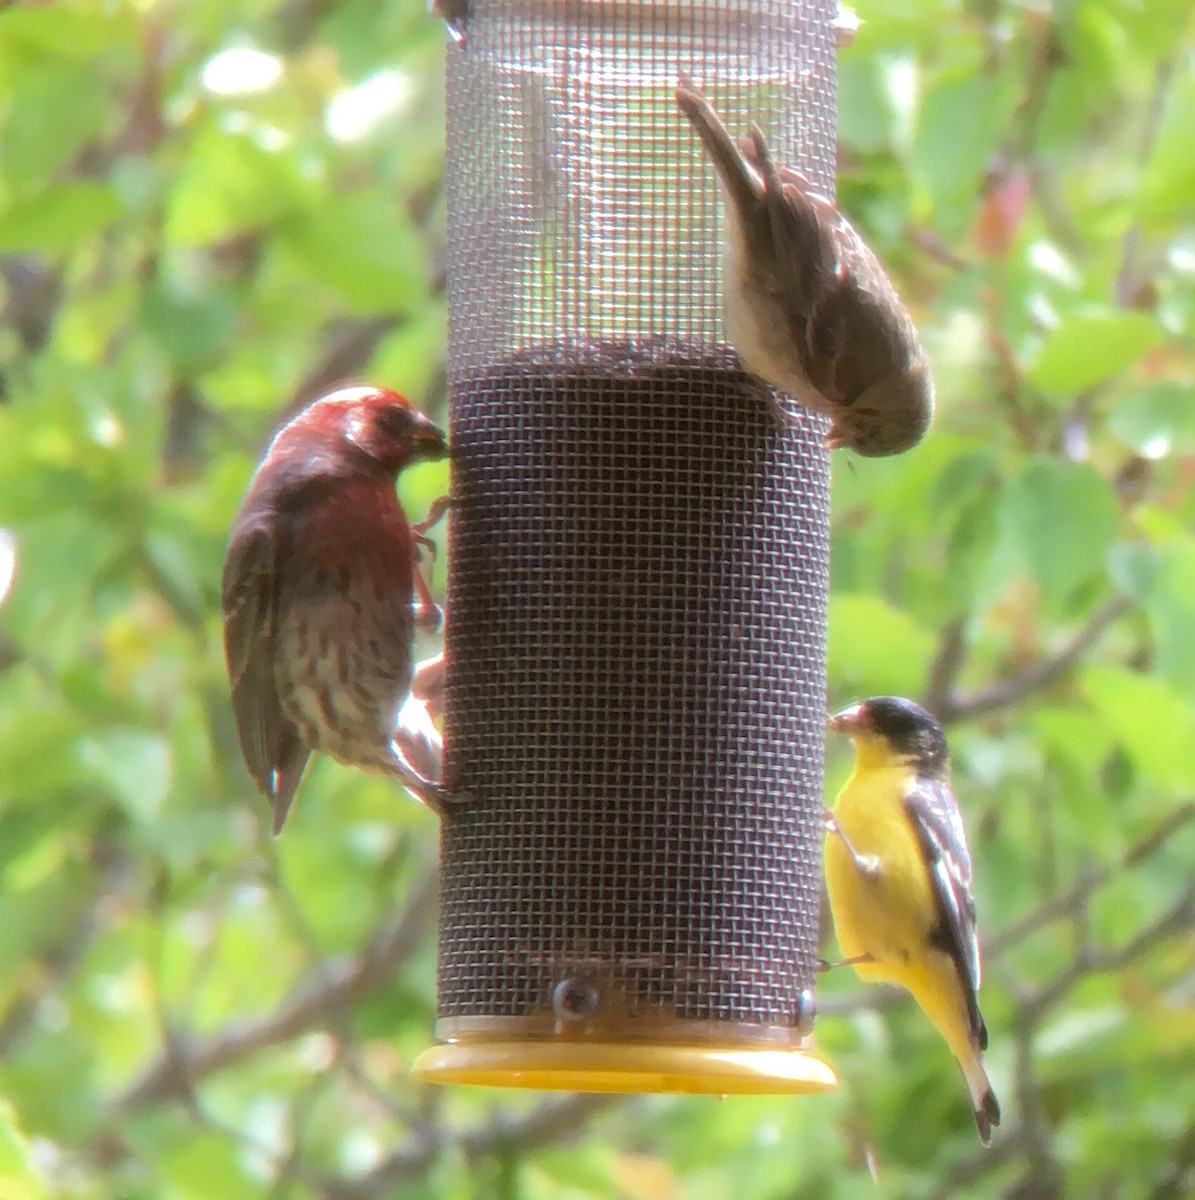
272, 748
801, 224
858, 303
938, 824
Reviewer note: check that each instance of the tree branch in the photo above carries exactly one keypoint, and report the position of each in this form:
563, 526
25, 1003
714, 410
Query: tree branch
1175, 920
340, 984
947, 663
549, 1122
980, 1163
1074, 900
1041, 675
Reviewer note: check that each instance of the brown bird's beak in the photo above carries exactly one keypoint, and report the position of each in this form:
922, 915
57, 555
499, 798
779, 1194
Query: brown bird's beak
846, 720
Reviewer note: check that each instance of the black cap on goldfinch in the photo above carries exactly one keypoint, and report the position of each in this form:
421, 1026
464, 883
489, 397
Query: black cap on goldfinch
902, 727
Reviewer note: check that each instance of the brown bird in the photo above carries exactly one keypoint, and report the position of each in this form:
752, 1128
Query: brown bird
454, 14
809, 307
322, 593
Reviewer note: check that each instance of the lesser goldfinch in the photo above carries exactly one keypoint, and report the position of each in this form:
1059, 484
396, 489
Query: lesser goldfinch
898, 875
809, 308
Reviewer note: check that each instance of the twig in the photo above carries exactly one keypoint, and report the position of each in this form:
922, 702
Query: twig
350, 345
981, 1163
1033, 1119
348, 1056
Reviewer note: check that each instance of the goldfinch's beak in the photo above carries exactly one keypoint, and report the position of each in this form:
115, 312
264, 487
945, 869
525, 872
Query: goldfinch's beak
846, 720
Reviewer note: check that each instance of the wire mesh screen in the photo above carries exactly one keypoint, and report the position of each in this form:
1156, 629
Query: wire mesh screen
639, 554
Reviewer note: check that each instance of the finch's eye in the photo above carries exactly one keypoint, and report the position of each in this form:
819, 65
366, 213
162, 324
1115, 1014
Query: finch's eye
395, 420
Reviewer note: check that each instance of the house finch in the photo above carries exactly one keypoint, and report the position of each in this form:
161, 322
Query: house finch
809, 308
898, 876
322, 593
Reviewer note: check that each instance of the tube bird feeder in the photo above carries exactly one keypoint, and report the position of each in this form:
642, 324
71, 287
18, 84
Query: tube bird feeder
637, 580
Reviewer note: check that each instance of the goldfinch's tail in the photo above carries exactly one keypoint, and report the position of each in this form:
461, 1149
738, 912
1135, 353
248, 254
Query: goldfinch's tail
983, 1099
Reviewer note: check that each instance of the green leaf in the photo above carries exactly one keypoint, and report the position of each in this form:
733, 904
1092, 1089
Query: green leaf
962, 116
135, 765
1133, 568
865, 118
56, 108
19, 1179
1154, 724
60, 218
874, 648
194, 325
229, 184
1087, 349
67, 31
360, 247
1171, 611
205, 1164
969, 547
1062, 518
1168, 182
31, 754
1157, 422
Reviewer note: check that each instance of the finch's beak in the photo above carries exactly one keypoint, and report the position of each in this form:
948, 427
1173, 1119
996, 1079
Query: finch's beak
846, 720
428, 440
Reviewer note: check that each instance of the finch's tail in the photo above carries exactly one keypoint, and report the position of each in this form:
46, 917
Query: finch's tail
983, 1099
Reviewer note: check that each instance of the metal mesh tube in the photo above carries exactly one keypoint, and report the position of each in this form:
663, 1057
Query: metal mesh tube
637, 583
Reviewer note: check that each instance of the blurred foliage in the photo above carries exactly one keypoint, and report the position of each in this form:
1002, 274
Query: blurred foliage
210, 212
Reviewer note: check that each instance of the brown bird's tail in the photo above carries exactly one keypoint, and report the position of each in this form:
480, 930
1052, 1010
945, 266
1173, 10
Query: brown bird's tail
983, 1100
741, 182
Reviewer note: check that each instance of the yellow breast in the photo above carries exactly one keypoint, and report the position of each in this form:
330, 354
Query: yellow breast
887, 914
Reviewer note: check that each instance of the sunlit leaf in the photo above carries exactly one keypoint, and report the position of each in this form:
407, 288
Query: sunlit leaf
19, 1178
59, 219
1088, 349
1062, 517
134, 764
875, 648
230, 184
1157, 422
1169, 178
1154, 724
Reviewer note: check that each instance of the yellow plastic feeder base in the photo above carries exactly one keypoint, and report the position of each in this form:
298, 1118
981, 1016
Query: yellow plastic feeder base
626, 1067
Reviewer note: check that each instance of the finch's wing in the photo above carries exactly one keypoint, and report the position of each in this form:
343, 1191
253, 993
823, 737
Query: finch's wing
938, 824
270, 744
